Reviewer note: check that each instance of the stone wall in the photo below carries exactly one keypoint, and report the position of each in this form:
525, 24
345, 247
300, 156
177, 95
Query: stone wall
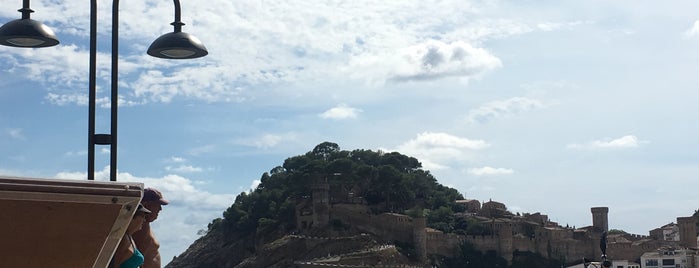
557, 243
688, 232
388, 225
447, 244
631, 251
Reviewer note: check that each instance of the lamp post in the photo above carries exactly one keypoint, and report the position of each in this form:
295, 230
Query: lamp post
29, 33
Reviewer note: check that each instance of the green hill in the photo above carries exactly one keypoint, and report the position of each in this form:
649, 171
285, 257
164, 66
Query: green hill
260, 228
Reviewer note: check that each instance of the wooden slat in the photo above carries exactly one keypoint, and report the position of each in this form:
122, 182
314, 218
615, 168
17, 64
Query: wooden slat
58, 223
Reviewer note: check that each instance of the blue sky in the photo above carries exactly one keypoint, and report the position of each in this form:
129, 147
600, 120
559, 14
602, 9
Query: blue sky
546, 106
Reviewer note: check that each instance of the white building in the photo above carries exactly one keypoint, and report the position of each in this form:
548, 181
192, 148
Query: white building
669, 258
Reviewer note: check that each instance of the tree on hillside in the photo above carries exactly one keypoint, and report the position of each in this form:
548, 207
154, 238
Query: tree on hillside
325, 150
387, 181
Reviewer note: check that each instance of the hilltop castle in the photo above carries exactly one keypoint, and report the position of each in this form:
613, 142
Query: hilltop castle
510, 233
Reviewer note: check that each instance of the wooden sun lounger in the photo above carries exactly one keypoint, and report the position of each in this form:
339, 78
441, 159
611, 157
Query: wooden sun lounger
62, 223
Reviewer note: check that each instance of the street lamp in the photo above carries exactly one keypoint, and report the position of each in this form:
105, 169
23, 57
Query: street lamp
26, 32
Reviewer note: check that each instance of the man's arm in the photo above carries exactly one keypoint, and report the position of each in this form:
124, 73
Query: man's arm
142, 238
151, 253
149, 246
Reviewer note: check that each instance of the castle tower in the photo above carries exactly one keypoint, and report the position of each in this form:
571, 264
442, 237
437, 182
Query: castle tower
688, 230
420, 237
505, 235
599, 218
321, 203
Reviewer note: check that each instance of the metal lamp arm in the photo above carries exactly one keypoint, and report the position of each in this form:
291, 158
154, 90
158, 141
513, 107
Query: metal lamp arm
26, 11
178, 17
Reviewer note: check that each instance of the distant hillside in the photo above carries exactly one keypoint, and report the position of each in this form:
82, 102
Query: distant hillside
257, 230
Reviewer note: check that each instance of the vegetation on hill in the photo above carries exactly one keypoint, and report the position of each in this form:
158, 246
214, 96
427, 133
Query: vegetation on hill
386, 181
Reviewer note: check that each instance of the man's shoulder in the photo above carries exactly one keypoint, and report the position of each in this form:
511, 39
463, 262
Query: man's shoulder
143, 235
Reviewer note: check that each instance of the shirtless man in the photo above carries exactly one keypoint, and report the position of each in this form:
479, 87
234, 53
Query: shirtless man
145, 239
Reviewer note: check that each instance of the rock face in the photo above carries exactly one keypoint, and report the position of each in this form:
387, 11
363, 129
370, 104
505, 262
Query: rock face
290, 250
213, 250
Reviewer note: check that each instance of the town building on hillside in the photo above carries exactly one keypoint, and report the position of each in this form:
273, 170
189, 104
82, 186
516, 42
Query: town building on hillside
500, 231
670, 258
494, 209
668, 232
470, 205
615, 264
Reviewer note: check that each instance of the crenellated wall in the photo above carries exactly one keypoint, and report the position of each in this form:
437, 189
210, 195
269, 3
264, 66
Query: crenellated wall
447, 244
631, 251
510, 235
388, 225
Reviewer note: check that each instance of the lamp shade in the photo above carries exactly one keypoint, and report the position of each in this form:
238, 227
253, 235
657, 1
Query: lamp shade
177, 45
27, 33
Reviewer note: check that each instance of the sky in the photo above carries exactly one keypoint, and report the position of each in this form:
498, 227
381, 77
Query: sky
546, 106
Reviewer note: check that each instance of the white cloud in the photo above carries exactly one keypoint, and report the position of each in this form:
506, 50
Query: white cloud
552, 26
628, 141
623, 142
266, 141
254, 184
203, 150
496, 109
694, 31
78, 99
184, 169
181, 191
181, 168
283, 42
438, 150
16, 133
189, 211
486, 171
208, 83
429, 60
341, 111
176, 159
74, 153
428, 140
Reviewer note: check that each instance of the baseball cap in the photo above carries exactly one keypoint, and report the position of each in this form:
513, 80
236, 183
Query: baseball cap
150, 194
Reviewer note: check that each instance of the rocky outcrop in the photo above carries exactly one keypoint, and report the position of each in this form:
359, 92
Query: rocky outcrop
215, 250
360, 250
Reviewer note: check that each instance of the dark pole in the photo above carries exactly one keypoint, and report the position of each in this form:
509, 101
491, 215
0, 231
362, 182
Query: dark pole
25, 9
178, 22
603, 246
115, 90
103, 139
92, 92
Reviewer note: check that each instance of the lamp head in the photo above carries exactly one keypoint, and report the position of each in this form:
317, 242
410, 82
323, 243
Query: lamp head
27, 32
177, 45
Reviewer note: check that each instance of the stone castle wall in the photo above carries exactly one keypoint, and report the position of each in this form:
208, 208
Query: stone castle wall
629, 251
391, 226
552, 243
558, 243
448, 244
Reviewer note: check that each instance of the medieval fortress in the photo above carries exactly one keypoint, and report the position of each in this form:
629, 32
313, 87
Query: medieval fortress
510, 233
